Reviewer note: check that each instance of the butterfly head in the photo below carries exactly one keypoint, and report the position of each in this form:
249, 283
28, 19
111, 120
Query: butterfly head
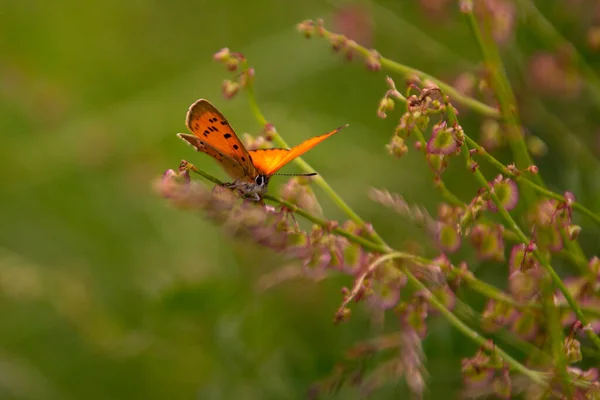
259, 186
254, 188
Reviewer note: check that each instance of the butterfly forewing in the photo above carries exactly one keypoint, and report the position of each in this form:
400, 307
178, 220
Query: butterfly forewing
269, 161
218, 139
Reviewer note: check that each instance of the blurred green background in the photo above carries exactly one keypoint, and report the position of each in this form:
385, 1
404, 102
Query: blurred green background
106, 292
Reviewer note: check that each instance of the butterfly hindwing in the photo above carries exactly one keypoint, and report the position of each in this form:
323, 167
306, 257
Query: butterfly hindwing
269, 161
216, 134
231, 166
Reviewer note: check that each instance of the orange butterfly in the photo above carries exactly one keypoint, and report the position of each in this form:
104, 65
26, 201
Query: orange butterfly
251, 169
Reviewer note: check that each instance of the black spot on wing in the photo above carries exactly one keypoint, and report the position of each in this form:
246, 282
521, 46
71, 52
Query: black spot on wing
223, 122
227, 135
235, 146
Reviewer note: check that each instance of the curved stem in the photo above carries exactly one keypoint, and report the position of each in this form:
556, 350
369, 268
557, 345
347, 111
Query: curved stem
358, 283
505, 96
409, 72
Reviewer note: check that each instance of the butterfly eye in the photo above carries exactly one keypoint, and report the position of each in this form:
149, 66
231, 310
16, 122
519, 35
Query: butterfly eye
261, 180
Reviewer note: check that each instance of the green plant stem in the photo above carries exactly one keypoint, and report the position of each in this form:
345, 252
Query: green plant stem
319, 181
408, 72
506, 99
555, 332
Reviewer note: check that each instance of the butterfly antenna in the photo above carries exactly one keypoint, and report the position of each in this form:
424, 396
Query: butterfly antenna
308, 174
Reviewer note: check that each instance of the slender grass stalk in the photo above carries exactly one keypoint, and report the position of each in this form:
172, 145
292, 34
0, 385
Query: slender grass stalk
409, 72
504, 95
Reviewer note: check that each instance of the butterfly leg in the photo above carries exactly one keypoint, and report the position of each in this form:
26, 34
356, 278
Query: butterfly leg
234, 185
255, 197
259, 199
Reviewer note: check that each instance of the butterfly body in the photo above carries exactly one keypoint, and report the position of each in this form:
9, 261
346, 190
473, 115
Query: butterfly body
250, 170
252, 189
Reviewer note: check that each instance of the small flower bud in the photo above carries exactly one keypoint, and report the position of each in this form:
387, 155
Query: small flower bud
466, 6
573, 231
573, 350
270, 132
230, 88
386, 104
536, 146
390, 82
569, 198
512, 169
397, 147
373, 61
232, 64
531, 247
491, 134
307, 28
222, 55
245, 77
593, 37
594, 266
342, 315
320, 27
